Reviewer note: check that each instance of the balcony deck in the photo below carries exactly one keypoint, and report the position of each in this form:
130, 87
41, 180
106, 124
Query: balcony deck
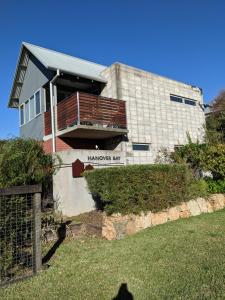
89, 116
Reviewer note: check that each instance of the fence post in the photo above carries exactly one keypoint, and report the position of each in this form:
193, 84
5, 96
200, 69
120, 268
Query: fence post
37, 260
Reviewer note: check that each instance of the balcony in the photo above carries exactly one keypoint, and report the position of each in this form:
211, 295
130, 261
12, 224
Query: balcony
89, 116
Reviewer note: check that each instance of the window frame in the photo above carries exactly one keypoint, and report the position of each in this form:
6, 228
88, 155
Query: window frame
190, 101
25, 110
184, 100
22, 105
141, 144
33, 107
178, 97
29, 105
39, 90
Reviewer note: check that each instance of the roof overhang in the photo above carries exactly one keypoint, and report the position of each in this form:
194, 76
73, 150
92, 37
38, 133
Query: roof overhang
25, 52
18, 78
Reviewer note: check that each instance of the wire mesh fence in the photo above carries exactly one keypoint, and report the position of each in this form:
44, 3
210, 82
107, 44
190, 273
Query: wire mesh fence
20, 227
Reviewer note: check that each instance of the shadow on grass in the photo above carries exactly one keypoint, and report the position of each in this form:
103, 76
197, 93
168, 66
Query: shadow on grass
123, 293
61, 232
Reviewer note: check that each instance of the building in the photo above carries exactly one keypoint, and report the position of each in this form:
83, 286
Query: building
116, 114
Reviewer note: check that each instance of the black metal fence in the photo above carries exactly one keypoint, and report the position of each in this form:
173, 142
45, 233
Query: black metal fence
20, 232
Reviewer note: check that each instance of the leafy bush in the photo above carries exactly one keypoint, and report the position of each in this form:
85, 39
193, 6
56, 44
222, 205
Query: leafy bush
24, 162
214, 161
136, 188
202, 157
215, 186
192, 154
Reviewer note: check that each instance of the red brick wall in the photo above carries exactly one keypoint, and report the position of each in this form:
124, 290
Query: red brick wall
63, 144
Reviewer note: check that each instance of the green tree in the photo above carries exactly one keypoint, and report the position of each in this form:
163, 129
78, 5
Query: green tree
215, 121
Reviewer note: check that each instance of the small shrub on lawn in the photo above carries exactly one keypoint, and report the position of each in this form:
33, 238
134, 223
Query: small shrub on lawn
136, 188
215, 186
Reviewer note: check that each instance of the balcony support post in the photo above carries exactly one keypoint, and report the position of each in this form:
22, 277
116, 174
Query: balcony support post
52, 101
78, 108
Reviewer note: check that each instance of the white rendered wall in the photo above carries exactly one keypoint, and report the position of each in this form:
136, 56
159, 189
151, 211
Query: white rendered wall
71, 194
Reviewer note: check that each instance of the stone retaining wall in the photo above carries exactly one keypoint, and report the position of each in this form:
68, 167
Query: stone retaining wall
117, 226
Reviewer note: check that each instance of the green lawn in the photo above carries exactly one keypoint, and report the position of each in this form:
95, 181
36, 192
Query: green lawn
184, 259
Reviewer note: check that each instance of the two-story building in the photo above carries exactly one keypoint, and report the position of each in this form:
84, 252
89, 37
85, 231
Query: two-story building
100, 114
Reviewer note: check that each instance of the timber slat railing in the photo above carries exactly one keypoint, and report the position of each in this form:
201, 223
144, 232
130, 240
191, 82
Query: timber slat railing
91, 110
20, 232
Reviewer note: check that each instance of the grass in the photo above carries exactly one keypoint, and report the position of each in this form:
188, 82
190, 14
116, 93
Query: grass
184, 259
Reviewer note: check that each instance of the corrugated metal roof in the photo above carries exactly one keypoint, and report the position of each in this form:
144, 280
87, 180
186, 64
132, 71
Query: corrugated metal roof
66, 63
52, 60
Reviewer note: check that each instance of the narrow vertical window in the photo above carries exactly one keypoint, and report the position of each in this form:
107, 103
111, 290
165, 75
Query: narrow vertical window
32, 108
21, 114
27, 111
37, 103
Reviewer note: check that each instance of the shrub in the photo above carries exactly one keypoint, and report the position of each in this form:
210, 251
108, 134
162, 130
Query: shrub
136, 188
215, 186
191, 154
214, 161
205, 157
24, 162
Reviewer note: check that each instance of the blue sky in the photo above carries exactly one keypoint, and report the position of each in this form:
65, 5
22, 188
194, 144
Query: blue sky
183, 40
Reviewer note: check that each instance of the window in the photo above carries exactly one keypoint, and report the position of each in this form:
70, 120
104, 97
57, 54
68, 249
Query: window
38, 103
190, 102
177, 146
32, 108
21, 114
176, 99
140, 147
182, 100
27, 111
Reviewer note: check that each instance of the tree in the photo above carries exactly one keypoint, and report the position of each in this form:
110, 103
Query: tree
215, 121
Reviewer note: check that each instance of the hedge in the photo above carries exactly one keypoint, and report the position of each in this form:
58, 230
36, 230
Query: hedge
136, 188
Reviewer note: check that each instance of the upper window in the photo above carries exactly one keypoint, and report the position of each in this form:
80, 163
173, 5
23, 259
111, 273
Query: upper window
27, 111
190, 102
22, 114
176, 98
38, 103
140, 147
30, 109
184, 100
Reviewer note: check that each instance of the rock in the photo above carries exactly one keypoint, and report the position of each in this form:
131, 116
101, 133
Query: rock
193, 208
216, 201
108, 230
159, 218
202, 205
117, 226
209, 206
173, 214
131, 227
144, 220
120, 228
183, 210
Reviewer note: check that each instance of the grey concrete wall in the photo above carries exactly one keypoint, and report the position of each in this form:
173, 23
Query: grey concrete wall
151, 116
71, 194
36, 76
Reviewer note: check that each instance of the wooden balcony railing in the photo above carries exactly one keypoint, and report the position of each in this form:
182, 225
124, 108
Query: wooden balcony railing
90, 110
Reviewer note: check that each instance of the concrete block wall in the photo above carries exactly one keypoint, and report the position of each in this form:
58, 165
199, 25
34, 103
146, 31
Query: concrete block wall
151, 116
